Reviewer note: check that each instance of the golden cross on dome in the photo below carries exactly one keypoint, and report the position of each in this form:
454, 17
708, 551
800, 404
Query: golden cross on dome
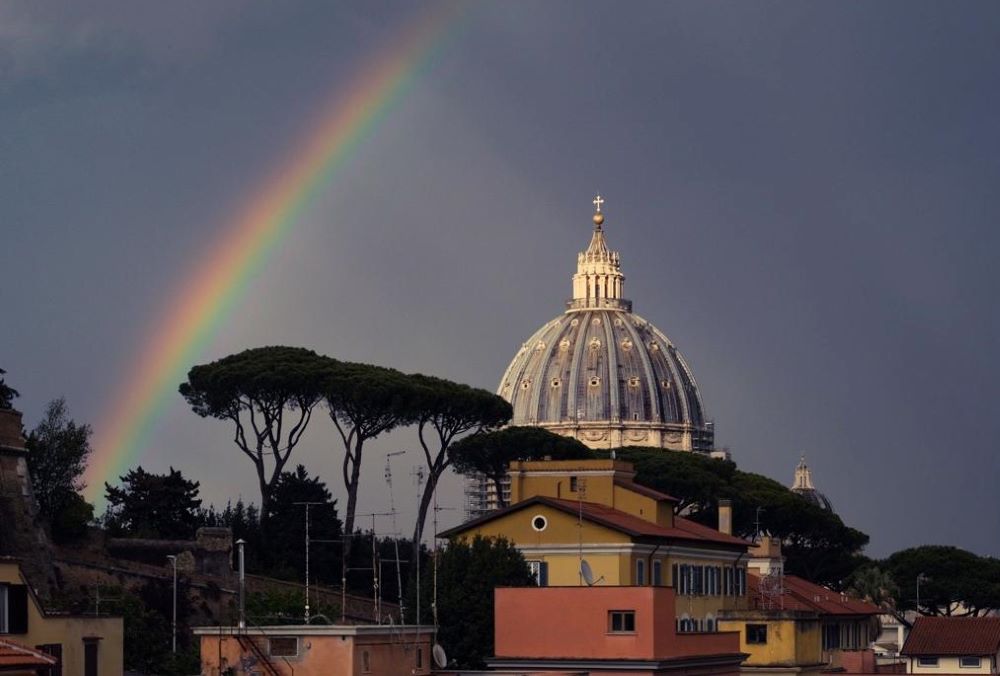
598, 201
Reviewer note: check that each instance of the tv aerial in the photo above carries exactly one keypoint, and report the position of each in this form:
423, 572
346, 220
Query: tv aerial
587, 574
440, 657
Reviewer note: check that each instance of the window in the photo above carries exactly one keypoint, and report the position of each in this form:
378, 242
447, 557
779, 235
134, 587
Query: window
657, 573
366, 662
420, 658
539, 522
709, 624
13, 609
621, 621
572, 484
969, 662
756, 634
927, 661
54, 649
283, 646
90, 656
540, 571
727, 581
831, 637
640, 572
686, 625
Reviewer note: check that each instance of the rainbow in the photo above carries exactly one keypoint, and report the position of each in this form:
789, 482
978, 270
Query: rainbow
200, 305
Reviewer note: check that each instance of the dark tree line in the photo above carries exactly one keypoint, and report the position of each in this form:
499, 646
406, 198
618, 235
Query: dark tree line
269, 394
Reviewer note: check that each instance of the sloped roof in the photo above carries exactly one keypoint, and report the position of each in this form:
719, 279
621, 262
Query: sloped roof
973, 636
13, 654
800, 594
645, 490
615, 519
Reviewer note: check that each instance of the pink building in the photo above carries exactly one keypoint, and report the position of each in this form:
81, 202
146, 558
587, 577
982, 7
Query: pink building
604, 630
316, 650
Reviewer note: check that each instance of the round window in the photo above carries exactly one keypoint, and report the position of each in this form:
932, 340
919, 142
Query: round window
539, 522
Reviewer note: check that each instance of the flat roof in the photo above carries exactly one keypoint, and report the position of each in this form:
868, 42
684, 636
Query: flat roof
317, 630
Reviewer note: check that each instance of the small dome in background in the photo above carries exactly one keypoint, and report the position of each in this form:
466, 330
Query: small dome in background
803, 485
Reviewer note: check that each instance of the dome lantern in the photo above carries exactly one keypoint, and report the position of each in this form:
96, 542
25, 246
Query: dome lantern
598, 282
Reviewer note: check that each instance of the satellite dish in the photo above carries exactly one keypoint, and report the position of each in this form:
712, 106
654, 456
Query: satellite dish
440, 658
586, 573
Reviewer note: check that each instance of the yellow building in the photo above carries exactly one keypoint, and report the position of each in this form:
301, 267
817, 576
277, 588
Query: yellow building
84, 646
792, 625
565, 512
953, 645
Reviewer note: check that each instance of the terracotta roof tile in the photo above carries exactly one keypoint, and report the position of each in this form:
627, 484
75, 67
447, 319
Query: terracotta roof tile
645, 490
800, 594
613, 518
972, 636
14, 654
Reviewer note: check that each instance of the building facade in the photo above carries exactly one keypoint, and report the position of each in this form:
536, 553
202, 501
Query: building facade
569, 511
603, 630
953, 645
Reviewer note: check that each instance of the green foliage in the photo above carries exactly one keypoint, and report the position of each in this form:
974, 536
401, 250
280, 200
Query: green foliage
364, 401
153, 506
444, 411
58, 449
7, 393
875, 585
817, 544
254, 390
284, 554
467, 574
953, 581
490, 453
287, 607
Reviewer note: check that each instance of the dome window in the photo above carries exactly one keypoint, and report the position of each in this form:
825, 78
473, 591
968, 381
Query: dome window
574, 322
596, 321
595, 344
556, 382
633, 381
539, 346
619, 322
595, 381
564, 344
626, 344
525, 384
539, 522
655, 347
666, 384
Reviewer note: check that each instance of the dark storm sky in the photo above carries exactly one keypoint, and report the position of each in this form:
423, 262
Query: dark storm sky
805, 197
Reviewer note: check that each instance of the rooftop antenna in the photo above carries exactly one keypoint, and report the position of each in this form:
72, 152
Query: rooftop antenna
587, 573
418, 473
756, 535
307, 505
440, 657
395, 532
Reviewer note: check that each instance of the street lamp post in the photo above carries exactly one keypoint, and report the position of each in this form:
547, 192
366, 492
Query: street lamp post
173, 624
243, 622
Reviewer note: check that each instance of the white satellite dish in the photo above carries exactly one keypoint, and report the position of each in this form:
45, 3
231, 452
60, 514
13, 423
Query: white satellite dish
440, 658
586, 573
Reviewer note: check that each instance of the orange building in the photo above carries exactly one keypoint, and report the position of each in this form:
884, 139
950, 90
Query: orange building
604, 630
316, 650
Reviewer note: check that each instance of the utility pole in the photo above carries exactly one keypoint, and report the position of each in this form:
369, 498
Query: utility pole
173, 624
395, 533
243, 585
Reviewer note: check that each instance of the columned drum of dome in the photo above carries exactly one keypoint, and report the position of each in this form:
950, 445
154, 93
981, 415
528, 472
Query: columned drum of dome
603, 374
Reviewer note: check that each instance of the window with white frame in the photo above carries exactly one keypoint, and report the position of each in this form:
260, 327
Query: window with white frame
927, 661
657, 573
540, 571
970, 662
640, 572
621, 621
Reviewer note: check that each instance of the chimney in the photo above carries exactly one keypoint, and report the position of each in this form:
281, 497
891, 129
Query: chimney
726, 516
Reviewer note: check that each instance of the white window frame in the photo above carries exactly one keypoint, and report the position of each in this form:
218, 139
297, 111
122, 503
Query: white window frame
640, 572
927, 662
963, 665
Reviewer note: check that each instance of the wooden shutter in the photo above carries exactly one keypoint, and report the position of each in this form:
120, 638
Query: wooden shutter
17, 609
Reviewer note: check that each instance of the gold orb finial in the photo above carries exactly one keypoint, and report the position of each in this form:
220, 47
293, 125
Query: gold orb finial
598, 218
